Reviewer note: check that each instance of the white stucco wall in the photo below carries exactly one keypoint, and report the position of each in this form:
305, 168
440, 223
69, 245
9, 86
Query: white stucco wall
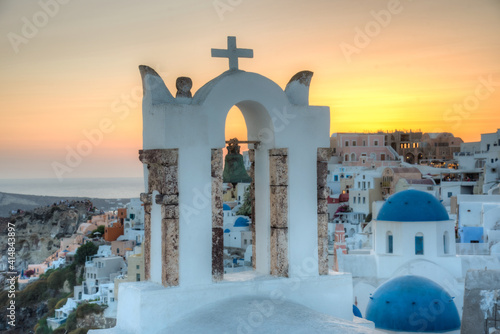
198, 127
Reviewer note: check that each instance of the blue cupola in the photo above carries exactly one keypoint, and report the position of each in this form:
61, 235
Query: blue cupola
413, 304
412, 206
241, 222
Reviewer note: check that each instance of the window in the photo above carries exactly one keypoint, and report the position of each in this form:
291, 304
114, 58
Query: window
419, 244
353, 143
375, 143
450, 194
364, 200
390, 246
382, 157
353, 156
335, 178
137, 266
368, 184
446, 249
346, 157
364, 142
137, 277
354, 200
346, 143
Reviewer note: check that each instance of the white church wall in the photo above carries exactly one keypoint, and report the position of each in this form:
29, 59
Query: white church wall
136, 299
215, 99
448, 247
362, 289
470, 213
479, 262
359, 265
195, 237
491, 216
262, 216
380, 237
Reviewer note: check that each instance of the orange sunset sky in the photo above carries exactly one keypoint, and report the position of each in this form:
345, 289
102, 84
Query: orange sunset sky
67, 65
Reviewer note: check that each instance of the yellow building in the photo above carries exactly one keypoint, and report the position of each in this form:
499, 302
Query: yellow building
135, 271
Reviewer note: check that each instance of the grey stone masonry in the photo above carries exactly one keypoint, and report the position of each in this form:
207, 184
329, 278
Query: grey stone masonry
217, 217
163, 167
146, 247
324, 155
482, 291
278, 175
170, 252
251, 157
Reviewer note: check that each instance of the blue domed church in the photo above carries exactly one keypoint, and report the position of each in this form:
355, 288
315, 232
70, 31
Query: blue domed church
414, 222
413, 304
411, 265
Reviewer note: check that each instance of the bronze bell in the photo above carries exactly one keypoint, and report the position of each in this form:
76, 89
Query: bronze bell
234, 168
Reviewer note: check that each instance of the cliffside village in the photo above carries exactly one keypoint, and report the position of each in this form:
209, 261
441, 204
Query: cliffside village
365, 237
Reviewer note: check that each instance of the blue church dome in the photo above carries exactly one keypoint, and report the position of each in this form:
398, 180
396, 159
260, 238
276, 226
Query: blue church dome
241, 222
412, 206
412, 304
226, 207
227, 230
356, 311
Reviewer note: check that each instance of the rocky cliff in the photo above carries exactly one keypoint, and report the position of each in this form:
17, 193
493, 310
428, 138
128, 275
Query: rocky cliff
38, 232
14, 202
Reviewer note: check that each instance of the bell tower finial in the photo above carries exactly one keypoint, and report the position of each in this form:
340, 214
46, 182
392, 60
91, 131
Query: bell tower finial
232, 53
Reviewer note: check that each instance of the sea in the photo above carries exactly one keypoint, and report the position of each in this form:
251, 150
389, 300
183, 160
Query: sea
76, 187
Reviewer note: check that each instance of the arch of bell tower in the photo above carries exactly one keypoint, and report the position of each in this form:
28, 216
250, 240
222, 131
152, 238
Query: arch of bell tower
183, 138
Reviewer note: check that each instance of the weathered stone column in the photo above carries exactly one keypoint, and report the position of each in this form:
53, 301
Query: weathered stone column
324, 155
217, 217
251, 157
146, 245
278, 168
163, 177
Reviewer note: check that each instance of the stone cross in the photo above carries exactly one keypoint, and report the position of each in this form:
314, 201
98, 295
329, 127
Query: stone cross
232, 53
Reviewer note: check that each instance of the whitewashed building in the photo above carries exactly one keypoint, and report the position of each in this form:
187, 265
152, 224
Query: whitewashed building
412, 235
